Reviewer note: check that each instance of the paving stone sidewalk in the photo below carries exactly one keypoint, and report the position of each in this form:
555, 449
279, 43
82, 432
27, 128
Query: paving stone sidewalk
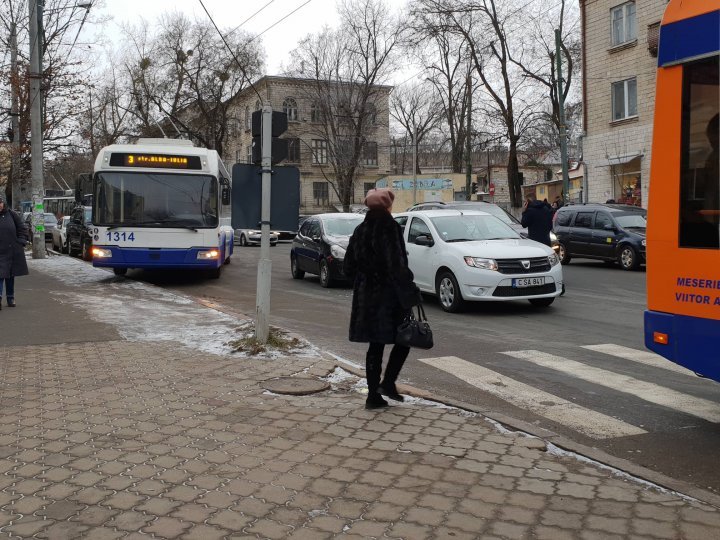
125, 436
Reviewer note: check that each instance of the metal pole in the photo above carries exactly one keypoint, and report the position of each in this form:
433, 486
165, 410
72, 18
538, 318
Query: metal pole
561, 118
15, 116
468, 146
262, 297
36, 144
414, 164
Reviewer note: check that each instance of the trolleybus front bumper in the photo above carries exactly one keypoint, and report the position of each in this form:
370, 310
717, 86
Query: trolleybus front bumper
159, 258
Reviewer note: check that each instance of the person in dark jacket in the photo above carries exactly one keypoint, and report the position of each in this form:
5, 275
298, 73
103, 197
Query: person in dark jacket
13, 237
383, 293
537, 217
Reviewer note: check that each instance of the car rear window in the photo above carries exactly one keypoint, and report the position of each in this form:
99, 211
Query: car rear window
584, 219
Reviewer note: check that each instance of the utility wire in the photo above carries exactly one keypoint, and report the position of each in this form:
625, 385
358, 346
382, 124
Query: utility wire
251, 16
279, 21
231, 51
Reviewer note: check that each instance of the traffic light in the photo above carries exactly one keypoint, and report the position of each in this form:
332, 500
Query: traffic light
279, 146
474, 187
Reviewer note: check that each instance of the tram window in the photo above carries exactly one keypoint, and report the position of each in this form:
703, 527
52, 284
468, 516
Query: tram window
700, 176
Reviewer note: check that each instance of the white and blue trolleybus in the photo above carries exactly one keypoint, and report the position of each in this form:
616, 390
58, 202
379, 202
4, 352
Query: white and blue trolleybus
161, 203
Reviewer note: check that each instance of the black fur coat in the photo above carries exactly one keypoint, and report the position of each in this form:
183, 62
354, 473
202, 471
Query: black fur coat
383, 288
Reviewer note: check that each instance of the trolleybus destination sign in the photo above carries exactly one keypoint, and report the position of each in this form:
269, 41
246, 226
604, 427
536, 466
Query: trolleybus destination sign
155, 161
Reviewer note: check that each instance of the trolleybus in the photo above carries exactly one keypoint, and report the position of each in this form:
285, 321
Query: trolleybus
161, 203
682, 322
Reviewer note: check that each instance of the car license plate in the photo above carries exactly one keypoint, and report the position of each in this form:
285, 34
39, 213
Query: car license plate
520, 283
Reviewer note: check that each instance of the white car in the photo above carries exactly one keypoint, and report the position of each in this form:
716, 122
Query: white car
246, 237
473, 256
59, 239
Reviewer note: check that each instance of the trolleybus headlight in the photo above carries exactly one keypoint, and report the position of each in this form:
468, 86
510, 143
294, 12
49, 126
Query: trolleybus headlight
101, 253
208, 255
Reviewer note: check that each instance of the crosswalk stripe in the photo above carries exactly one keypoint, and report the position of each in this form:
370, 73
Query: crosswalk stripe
635, 355
653, 393
586, 421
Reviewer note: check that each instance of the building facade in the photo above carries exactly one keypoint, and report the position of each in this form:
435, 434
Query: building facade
619, 40
307, 149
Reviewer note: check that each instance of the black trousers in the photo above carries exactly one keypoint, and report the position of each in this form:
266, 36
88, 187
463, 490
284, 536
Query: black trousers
373, 365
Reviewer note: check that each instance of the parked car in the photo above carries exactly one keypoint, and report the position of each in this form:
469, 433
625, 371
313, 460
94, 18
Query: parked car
609, 232
319, 247
474, 256
59, 235
79, 236
246, 237
51, 223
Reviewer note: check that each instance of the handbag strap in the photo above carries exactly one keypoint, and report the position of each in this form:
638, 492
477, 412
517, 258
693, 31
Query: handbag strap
421, 313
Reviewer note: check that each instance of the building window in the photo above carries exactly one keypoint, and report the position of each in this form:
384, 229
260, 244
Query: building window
248, 118
624, 27
372, 114
370, 153
624, 99
321, 194
248, 153
367, 186
258, 105
319, 151
315, 115
291, 109
238, 156
293, 150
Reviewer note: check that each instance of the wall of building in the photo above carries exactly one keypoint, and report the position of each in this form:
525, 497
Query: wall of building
276, 90
606, 141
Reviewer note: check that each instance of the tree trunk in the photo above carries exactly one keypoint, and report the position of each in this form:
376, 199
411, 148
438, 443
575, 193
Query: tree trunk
512, 172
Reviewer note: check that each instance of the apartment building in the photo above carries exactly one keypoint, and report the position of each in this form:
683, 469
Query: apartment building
307, 148
619, 40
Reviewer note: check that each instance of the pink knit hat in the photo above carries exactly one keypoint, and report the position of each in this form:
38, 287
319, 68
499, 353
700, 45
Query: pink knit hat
379, 198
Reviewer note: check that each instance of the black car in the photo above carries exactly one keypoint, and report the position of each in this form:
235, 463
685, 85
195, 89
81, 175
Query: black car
609, 232
79, 236
319, 247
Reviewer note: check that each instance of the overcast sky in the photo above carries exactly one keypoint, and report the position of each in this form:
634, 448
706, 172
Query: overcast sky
278, 41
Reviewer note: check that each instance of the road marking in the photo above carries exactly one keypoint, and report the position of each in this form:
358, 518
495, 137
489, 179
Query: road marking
586, 421
642, 357
653, 393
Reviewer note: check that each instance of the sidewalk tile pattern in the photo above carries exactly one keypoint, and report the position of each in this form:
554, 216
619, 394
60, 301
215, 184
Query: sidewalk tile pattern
136, 440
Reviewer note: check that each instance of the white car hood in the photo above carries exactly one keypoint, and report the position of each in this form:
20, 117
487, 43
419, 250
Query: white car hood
501, 249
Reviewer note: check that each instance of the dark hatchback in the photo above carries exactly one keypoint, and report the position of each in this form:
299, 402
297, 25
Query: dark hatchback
609, 232
320, 244
78, 234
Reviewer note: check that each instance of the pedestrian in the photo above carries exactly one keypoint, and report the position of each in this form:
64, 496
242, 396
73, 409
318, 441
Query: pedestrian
538, 219
13, 237
383, 293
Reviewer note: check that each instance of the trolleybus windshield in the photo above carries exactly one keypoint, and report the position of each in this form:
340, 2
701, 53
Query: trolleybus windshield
156, 200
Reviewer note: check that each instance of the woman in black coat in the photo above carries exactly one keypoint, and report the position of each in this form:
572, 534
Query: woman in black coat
383, 293
13, 237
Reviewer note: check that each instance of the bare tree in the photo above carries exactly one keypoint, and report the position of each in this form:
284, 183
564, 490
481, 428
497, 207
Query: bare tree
419, 111
186, 76
445, 60
64, 77
346, 71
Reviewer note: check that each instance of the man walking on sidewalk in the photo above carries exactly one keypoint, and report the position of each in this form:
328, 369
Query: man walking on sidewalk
13, 237
537, 217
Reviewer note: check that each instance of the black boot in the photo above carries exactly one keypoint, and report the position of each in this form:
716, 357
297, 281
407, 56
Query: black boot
373, 368
11, 302
395, 364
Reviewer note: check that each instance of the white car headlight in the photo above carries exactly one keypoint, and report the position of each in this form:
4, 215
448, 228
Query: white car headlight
553, 237
553, 260
643, 242
484, 264
337, 252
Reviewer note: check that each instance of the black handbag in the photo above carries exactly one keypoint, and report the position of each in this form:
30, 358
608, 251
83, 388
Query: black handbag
415, 332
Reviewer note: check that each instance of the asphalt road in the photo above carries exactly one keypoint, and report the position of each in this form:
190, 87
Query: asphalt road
657, 418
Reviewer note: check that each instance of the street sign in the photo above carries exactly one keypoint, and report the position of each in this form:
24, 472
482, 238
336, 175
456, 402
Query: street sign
247, 197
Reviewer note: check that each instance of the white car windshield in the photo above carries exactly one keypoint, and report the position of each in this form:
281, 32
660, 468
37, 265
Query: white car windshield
465, 228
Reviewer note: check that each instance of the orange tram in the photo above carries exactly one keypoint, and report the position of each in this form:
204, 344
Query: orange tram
682, 322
